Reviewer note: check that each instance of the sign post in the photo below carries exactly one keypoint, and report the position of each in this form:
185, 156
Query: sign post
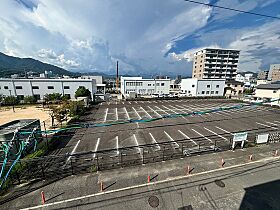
239, 137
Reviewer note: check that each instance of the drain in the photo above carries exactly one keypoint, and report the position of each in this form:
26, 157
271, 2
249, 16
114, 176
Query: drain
153, 201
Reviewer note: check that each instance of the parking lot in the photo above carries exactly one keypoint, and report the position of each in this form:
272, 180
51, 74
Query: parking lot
140, 140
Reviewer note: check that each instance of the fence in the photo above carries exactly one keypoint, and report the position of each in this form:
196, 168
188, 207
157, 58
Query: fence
59, 166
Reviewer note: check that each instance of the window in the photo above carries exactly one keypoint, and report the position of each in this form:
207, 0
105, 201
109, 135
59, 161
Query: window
235, 85
200, 65
194, 75
195, 62
193, 85
212, 92
203, 92
35, 87
189, 91
36, 96
207, 92
66, 87
6, 87
18, 87
149, 84
81, 86
274, 91
157, 84
162, 84
195, 67
208, 86
217, 92
50, 87
217, 86
228, 85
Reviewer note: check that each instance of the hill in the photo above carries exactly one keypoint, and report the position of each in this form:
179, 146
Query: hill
13, 65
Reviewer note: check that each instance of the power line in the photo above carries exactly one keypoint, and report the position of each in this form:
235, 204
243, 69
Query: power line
236, 10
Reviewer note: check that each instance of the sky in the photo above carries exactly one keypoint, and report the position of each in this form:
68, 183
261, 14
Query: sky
147, 37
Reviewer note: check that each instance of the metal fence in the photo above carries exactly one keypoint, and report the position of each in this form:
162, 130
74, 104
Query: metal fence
59, 166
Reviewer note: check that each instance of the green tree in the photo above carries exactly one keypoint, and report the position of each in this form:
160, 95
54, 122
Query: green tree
82, 92
30, 100
65, 98
11, 100
53, 97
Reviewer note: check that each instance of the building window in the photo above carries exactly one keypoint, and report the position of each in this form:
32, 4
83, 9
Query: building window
6, 87
66, 87
203, 92
212, 92
194, 75
274, 91
189, 91
157, 84
193, 85
217, 92
235, 85
149, 84
207, 92
195, 62
18, 87
35, 87
208, 86
200, 65
50, 87
195, 67
217, 86
162, 84
37, 97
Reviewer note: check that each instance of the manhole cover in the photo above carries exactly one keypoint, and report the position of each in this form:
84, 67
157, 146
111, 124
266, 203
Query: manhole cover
220, 183
153, 201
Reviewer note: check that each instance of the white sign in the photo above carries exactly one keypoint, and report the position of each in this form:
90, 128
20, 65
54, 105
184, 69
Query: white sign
240, 136
262, 138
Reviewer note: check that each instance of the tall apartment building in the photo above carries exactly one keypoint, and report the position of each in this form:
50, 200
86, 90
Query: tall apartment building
263, 75
275, 72
215, 64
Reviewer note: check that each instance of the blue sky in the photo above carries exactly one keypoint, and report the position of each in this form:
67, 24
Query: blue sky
146, 36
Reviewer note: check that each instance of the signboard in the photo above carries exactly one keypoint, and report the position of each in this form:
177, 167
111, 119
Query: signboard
240, 136
262, 138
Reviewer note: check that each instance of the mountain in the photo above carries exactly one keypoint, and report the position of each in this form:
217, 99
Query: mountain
13, 65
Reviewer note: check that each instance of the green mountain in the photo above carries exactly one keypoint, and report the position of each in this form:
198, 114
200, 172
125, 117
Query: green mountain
13, 65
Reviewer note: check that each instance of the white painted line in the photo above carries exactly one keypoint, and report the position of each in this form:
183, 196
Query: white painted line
155, 141
216, 134
223, 130
183, 134
161, 110
276, 121
129, 102
136, 113
268, 126
117, 117
272, 123
172, 179
135, 139
106, 113
154, 111
202, 135
126, 113
146, 112
177, 145
96, 147
117, 144
136, 102
73, 151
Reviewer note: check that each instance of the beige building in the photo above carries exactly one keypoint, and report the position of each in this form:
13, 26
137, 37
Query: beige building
233, 88
268, 92
215, 64
275, 72
263, 75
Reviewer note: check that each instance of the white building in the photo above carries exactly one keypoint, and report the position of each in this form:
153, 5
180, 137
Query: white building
240, 78
141, 86
40, 87
268, 92
203, 87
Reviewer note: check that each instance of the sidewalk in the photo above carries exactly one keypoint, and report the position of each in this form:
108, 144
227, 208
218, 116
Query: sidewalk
75, 186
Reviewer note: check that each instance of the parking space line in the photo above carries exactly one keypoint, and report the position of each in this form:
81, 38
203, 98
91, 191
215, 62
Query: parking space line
73, 151
106, 113
154, 111
276, 121
177, 145
151, 135
223, 130
117, 117
96, 147
216, 134
202, 135
136, 102
117, 144
135, 139
268, 126
161, 110
272, 123
126, 113
183, 134
136, 113
146, 112
129, 102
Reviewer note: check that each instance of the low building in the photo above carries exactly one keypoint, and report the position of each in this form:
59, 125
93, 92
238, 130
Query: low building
240, 78
233, 88
203, 87
263, 75
141, 86
268, 92
40, 87
175, 86
275, 72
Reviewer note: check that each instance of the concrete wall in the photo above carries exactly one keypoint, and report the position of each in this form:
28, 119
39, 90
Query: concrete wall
43, 84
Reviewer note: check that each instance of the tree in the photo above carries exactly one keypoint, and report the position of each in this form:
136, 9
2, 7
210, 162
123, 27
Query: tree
11, 100
82, 92
65, 98
30, 100
53, 97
